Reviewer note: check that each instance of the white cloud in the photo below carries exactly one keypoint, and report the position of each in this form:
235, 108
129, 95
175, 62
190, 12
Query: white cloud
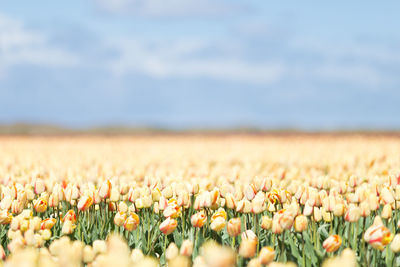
173, 60
160, 8
361, 63
19, 45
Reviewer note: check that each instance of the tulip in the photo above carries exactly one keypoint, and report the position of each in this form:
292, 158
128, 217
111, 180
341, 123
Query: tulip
267, 255
258, 205
39, 186
114, 195
395, 245
249, 234
274, 197
84, 203
284, 218
171, 252
377, 235
387, 196
17, 206
70, 216
364, 208
168, 226
119, 218
250, 191
332, 243
68, 227
353, 214
248, 248
123, 207
186, 248
218, 224
2, 253
266, 222
53, 200
386, 211
276, 228
317, 214
131, 222
172, 210
234, 227
308, 209
105, 189
254, 263
198, 219
40, 205
46, 234
48, 223
300, 223
88, 254
136, 255
230, 201
99, 247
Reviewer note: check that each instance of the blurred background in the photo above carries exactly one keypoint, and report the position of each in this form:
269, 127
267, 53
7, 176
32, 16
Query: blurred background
199, 64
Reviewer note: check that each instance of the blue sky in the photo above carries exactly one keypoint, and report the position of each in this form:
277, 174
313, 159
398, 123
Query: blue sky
191, 63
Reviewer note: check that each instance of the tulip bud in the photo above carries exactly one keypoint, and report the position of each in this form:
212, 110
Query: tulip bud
248, 248
364, 208
136, 255
120, 218
386, 211
171, 252
352, 214
39, 186
230, 201
234, 227
99, 247
40, 205
186, 248
266, 222
198, 219
300, 223
387, 196
317, 214
46, 234
131, 222
84, 203
218, 224
68, 227
267, 255
332, 243
250, 191
70, 216
88, 254
122, 207
395, 245
168, 226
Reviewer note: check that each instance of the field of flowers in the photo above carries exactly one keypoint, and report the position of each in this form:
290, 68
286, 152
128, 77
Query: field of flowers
200, 201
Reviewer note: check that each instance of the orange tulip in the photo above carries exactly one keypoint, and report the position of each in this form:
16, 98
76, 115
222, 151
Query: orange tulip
70, 216
47, 223
84, 203
40, 205
198, 219
131, 222
332, 243
377, 235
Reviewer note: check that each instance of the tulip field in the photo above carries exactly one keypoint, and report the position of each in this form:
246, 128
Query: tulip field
203, 201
